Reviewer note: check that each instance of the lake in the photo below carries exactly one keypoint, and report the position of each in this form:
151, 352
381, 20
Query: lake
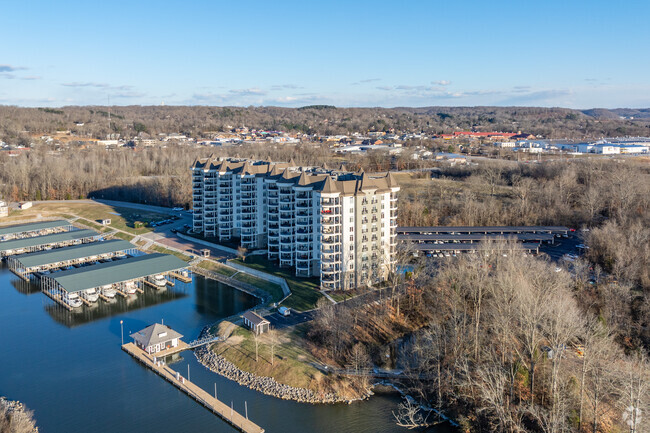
70, 370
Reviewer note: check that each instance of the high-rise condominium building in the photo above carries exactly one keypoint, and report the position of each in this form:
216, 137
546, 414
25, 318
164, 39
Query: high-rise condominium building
333, 224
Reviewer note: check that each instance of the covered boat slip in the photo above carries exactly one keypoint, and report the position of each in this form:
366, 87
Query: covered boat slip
484, 230
476, 237
19, 231
61, 257
114, 274
39, 243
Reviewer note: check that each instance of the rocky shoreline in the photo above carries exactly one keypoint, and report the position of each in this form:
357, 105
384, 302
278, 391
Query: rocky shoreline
265, 385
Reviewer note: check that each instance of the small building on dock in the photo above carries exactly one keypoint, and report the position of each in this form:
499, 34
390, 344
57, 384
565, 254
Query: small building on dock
124, 275
19, 231
255, 322
47, 242
156, 338
25, 264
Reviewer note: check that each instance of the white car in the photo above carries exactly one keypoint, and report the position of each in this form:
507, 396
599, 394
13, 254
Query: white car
177, 209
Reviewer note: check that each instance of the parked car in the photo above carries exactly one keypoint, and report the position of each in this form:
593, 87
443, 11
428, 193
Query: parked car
177, 209
284, 311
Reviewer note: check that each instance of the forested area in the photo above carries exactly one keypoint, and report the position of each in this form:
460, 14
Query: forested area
199, 121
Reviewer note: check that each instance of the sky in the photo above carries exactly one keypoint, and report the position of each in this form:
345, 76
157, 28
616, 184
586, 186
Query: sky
570, 53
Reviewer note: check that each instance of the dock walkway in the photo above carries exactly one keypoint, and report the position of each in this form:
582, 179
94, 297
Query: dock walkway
216, 406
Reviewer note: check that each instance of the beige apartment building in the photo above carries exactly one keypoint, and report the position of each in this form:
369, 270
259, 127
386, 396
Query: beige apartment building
337, 225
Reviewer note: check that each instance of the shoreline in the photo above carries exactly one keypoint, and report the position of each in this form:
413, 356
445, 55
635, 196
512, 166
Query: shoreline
266, 385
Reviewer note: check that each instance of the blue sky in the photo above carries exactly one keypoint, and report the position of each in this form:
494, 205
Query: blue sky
569, 53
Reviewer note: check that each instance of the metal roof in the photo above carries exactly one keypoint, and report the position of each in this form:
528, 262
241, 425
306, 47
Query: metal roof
22, 228
469, 247
57, 255
486, 229
47, 239
128, 269
446, 237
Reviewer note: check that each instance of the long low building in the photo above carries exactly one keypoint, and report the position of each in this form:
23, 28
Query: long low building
60, 257
115, 274
464, 248
41, 228
475, 237
39, 243
484, 230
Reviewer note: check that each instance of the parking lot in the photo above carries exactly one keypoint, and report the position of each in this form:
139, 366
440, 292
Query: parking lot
278, 321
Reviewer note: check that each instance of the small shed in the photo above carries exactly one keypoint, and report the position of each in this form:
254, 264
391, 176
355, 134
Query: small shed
105, 221
205, 252
156, 338
255, 322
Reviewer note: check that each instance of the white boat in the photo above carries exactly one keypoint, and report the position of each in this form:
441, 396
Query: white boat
90, 295
72, 299
130, 287
108, 291
158, 280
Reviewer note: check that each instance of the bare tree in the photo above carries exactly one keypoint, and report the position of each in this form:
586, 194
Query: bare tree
410, 415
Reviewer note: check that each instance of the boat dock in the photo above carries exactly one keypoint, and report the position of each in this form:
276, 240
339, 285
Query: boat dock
58, 300
181, 278
216, 406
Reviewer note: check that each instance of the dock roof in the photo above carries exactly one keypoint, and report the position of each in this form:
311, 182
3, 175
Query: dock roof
155, 334
128, 269
47, 239
29, 227
57, 255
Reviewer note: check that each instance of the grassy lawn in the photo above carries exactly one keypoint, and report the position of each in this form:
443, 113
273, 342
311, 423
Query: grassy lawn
291, 362
273, 289
304, 291
159, 249
217, 267
92, 212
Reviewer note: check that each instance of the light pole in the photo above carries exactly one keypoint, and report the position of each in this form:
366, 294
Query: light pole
188, 372
122, 330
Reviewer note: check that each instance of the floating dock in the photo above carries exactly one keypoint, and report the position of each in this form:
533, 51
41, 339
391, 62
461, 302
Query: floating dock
57, 299
216, 406
181, 278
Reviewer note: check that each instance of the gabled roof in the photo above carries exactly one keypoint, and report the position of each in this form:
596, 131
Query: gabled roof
155, 334
22, 228
254, 318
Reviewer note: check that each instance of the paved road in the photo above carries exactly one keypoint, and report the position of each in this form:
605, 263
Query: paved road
278, 321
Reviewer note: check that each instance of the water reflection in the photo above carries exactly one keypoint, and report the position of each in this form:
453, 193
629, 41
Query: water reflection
116, 306
26, 287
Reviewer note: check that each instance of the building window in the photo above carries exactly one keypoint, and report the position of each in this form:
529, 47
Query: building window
351, 247
351, 237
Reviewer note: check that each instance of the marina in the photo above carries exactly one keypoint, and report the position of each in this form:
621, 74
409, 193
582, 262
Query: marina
125, 277
25, 264
47, 242
219, 408
28, 230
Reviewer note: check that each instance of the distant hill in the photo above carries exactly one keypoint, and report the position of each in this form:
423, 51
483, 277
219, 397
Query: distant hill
199, 121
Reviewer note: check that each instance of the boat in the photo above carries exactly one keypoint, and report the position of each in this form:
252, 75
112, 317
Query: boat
108, 291
90, 295
72, 299
158, 280
130, 287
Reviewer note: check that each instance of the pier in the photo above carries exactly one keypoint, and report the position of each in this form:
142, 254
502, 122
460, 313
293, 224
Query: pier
214, 405
58, 300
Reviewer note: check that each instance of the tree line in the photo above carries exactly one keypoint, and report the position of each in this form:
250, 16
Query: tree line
201, 121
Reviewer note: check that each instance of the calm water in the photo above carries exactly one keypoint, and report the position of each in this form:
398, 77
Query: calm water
70, 370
